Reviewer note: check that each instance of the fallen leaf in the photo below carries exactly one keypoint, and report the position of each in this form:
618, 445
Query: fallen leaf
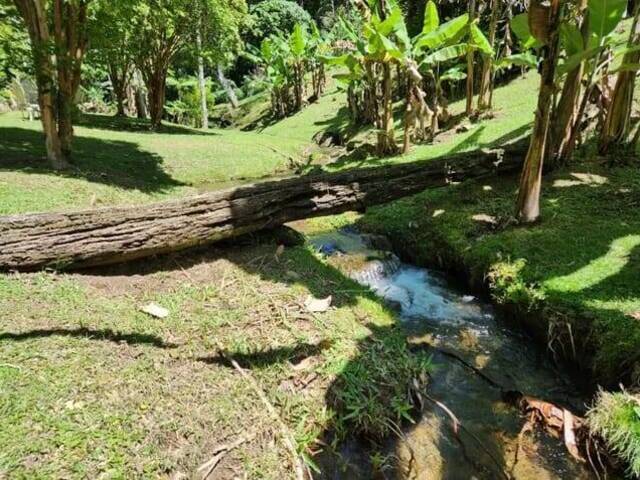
570, 436
317, 305
155, 310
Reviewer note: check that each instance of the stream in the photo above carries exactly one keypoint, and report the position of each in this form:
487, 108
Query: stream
436, 312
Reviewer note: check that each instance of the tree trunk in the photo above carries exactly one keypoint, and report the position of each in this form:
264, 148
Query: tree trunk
617, 124
569, 105
486, 78
139, 96
202, 85
117, 234
409, 118
119, 76
35, 16
156, 91
71, 38
228, 88
470, 63
386, 142
528, 206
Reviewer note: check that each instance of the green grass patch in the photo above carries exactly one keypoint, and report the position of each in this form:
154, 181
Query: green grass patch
90, 386
120, 161
616, 417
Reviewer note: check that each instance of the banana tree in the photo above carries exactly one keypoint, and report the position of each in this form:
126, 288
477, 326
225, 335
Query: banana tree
317, 47
589, 49
440, 44
286, 62
617, 125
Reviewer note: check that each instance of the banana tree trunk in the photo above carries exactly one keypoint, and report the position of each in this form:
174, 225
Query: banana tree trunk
617, 124
486, 78
566, 113
528, 204
386, 140
470, 63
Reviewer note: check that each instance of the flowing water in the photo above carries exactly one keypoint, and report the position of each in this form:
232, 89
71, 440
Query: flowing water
438, 314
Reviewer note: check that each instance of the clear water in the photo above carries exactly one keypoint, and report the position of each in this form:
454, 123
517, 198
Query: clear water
438, 314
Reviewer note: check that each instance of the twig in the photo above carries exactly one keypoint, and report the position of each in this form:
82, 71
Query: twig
287, 437
457, 426
219, 452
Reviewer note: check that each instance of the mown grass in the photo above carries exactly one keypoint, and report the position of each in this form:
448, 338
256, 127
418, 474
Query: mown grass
120, 161
92, 387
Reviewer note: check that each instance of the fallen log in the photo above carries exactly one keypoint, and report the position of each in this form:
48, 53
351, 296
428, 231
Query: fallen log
118, 234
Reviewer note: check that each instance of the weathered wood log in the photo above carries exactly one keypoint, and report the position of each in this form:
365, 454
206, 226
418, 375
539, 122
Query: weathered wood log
117, 234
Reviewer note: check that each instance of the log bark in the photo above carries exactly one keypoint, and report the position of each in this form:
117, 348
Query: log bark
118, 234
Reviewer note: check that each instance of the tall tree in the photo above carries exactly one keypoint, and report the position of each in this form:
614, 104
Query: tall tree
112, 46
58, 54
544, 24
165, 27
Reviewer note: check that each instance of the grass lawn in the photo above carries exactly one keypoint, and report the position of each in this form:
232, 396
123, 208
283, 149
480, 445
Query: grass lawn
121, 161
92, 387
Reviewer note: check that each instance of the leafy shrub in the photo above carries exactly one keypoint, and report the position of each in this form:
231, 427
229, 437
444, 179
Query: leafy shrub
275, 17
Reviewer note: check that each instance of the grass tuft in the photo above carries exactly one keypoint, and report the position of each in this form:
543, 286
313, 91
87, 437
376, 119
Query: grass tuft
616, 417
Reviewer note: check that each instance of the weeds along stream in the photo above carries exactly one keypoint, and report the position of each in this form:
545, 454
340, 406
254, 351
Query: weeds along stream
476, 358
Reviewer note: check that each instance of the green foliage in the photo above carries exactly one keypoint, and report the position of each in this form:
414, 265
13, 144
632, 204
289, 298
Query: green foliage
367, 402
616, 417
15, 52
275, 18
187, 108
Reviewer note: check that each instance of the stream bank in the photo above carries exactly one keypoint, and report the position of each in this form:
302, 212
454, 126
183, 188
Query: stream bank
465, 426
572, 281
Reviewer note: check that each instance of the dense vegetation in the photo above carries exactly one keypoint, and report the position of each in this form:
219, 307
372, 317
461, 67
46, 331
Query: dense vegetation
132, 101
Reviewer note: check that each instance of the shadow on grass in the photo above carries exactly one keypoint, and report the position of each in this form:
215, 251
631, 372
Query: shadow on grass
364, 155
293, 354
89, 334
379, 378
110, 162
134, 125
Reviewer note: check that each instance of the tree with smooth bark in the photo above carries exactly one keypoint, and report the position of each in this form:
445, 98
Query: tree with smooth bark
58, 31
528, 203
